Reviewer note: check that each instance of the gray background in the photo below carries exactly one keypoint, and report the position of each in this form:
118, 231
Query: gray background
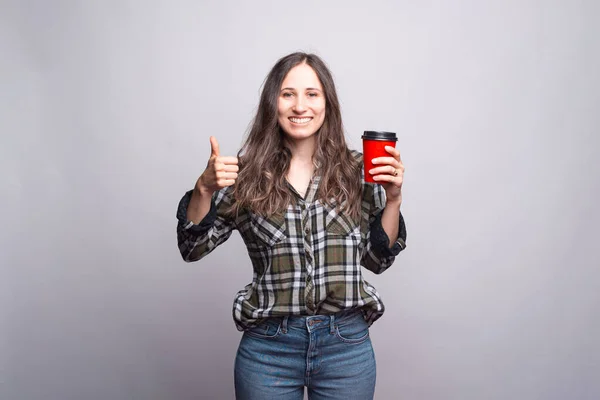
106, 109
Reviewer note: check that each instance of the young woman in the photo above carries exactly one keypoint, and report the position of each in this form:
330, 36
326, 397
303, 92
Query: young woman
297, 195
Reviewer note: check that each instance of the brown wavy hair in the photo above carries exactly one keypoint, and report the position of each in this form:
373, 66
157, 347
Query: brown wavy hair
265, 160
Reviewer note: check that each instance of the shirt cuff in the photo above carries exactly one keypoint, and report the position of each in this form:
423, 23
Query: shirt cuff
187, 225
380, 241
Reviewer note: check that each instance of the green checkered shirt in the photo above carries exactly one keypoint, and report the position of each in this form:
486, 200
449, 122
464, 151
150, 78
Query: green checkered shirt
306, 260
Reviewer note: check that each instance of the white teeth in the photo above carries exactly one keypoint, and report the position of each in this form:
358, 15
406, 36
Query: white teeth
300, 120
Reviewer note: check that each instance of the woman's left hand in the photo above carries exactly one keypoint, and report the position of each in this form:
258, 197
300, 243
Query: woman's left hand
390, 173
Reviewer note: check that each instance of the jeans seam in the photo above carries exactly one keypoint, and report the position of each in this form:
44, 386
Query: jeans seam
351, 341
260, 336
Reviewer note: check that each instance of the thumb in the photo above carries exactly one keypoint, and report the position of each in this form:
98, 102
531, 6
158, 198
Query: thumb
214, 147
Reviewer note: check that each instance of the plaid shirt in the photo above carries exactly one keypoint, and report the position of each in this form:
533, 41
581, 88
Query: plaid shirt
306, 260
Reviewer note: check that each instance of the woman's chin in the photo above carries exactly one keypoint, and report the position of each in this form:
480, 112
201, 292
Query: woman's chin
299, 133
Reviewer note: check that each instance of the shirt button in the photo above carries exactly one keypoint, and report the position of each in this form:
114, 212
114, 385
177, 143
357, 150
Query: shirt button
307, 230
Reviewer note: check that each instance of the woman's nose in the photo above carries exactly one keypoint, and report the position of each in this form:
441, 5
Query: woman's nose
300, 105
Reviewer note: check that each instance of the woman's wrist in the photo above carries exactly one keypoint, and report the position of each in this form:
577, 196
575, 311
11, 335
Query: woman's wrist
394, 203
202, 190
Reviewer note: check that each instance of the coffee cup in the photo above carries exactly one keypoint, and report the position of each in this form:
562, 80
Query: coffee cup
374, 143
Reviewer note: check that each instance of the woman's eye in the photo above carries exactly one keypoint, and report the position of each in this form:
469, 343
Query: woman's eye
287, 94
312, 95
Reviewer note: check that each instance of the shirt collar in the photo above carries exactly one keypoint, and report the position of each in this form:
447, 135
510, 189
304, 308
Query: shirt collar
311, 190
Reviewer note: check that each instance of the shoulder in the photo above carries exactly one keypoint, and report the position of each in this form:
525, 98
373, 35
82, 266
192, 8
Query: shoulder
373, 193
357, 155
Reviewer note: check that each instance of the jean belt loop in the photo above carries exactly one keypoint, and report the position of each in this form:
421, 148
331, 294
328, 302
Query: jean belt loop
332, 324
284, 324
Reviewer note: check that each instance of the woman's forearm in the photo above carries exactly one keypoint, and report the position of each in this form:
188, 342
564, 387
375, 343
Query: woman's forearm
389, 220
199, 205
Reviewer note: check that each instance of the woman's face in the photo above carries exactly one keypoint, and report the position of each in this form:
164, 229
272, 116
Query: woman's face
301, 103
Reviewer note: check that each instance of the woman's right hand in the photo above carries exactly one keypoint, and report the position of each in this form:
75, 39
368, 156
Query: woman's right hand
220, 171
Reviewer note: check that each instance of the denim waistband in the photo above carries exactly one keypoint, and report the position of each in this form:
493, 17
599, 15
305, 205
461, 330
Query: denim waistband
314, 322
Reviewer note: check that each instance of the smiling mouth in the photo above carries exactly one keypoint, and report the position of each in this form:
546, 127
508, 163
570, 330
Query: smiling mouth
300, 121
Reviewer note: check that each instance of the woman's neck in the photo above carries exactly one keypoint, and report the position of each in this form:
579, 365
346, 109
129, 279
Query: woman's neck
302, 150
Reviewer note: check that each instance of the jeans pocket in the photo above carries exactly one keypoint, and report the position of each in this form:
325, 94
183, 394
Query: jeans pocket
354, 332
265, 330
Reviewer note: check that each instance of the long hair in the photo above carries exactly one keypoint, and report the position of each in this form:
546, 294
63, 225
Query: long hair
264, 159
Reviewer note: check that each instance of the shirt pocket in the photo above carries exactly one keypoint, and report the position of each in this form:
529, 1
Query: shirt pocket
270, 230
339, 224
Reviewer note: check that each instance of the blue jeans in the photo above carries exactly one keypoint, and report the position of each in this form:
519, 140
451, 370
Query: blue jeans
331, 355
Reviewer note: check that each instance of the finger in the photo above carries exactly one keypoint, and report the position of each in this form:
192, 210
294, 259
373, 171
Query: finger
386, 169
227, 182
226, 175
214, 147
227, 160
393, 151
231, 168
386, 160
396, 180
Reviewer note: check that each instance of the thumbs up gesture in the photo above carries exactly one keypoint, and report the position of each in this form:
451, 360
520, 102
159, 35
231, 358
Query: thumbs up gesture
220, 171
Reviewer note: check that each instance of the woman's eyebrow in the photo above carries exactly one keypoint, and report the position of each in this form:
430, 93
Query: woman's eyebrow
289, 88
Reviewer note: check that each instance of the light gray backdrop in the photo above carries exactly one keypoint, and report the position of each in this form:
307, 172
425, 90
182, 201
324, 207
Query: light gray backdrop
106, 110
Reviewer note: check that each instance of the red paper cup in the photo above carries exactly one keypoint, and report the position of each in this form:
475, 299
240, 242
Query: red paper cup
374, 143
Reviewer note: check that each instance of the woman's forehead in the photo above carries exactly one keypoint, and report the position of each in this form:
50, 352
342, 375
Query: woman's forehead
302, 76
